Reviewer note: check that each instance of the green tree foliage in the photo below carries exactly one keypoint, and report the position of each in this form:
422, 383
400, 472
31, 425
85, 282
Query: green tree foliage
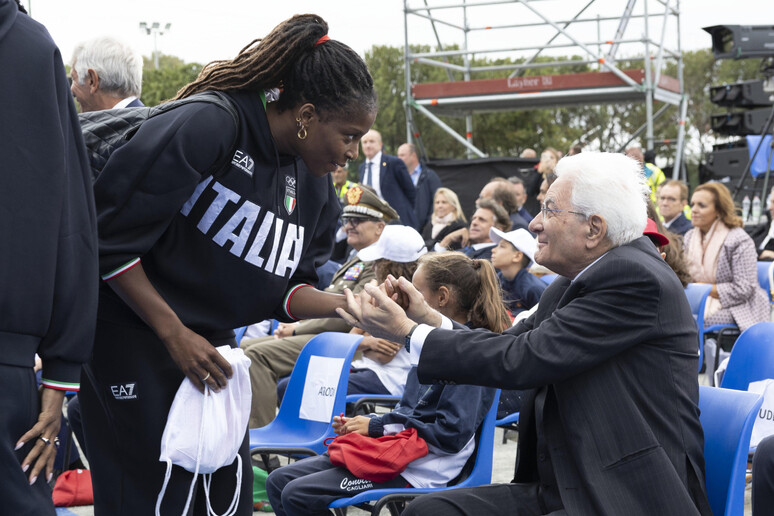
162, 84
606, 127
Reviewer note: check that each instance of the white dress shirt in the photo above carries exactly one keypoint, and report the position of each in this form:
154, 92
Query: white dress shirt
376, 169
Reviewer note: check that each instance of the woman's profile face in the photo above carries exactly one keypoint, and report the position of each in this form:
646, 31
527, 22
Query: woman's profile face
703, 211
420, 283
330, 143
441, 206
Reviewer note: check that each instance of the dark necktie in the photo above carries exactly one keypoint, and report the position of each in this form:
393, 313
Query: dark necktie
368, 173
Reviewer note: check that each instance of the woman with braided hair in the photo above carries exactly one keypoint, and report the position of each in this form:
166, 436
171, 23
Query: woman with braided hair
207, 222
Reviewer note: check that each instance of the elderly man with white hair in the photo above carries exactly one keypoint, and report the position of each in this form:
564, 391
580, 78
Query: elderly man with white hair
609, 424
106, 74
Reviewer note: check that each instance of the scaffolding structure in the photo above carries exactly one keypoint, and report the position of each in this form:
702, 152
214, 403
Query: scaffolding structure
572, 28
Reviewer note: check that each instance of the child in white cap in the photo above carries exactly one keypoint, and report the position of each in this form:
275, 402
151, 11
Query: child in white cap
511, 257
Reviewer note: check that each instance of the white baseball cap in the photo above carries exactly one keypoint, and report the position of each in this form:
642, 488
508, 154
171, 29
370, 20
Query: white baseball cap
520, 238
397, 243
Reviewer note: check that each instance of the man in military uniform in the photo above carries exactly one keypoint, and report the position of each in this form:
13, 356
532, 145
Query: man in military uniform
363, 219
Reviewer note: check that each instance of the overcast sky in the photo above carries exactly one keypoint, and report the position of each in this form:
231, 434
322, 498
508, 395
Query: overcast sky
206, 30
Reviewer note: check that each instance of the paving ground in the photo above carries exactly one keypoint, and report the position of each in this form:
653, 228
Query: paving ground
502, 471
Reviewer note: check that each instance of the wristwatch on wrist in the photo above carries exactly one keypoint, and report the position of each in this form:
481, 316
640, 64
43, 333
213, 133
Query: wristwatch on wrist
407, 339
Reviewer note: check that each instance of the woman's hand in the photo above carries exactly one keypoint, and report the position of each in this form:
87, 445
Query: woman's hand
285, 330
44, 433
198, 359
380, 345
345, 425
192, 353
376, 313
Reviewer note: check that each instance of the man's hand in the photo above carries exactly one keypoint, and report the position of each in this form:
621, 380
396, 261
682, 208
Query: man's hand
44, 433
403, 292
198, 359
376, 313
285, 330
459, 237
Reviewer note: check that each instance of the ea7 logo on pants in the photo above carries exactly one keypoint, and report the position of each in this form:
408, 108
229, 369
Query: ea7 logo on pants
124, 391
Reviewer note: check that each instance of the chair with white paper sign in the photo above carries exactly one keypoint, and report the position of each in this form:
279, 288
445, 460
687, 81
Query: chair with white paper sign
316, 391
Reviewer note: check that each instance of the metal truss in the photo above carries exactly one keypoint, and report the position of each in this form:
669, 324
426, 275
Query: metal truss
574, 27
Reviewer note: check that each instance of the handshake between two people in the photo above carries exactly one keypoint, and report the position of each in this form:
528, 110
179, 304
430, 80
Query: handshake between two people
389, 310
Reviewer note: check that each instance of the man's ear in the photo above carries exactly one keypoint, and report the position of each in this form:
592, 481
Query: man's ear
93, 81
597, 232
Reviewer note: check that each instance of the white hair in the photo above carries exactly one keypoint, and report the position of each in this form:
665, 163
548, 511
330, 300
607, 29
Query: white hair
118, 66
611, 186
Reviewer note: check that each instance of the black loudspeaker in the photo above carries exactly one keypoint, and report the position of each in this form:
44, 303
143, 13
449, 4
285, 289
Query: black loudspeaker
742, 94
740, 122
722, 163
742, 41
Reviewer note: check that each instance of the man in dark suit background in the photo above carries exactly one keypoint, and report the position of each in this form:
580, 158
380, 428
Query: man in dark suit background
389, 177
425, 180
609, 425
672, 199
106, 74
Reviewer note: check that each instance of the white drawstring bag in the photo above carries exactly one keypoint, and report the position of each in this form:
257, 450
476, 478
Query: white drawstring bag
204, 431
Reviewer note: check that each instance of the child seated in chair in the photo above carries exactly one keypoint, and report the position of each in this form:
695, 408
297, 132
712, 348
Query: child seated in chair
445, 416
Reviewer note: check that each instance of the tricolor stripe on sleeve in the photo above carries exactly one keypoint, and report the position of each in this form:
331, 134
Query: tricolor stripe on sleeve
60, 386
117, 272
286, 304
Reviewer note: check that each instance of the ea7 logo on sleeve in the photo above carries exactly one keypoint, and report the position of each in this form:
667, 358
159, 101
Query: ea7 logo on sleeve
124, 391
244, 162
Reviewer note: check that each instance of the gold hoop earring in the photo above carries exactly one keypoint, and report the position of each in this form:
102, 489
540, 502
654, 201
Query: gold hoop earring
301, 129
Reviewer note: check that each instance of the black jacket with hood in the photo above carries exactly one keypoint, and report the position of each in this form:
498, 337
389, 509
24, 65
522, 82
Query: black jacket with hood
48, 254
225, 249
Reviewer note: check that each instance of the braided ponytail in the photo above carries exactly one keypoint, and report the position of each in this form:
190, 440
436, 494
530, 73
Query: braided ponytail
329, 75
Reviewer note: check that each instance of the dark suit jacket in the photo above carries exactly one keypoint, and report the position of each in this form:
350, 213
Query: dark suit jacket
518, 222
397, 188
613, 357
680, 225
428, 183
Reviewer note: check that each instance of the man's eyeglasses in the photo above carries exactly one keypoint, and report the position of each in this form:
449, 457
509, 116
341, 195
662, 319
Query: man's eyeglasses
549, 212
355, 221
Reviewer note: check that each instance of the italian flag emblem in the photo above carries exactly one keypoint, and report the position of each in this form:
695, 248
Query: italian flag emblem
290, 203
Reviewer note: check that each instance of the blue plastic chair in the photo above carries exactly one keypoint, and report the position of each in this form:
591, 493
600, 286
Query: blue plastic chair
765, 279
697, 294
509, 422
289, 434
481, 473
548, 278
752, 358
727, 417
356, 401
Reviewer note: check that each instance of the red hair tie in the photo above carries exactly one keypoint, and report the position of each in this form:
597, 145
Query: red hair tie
322, 40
